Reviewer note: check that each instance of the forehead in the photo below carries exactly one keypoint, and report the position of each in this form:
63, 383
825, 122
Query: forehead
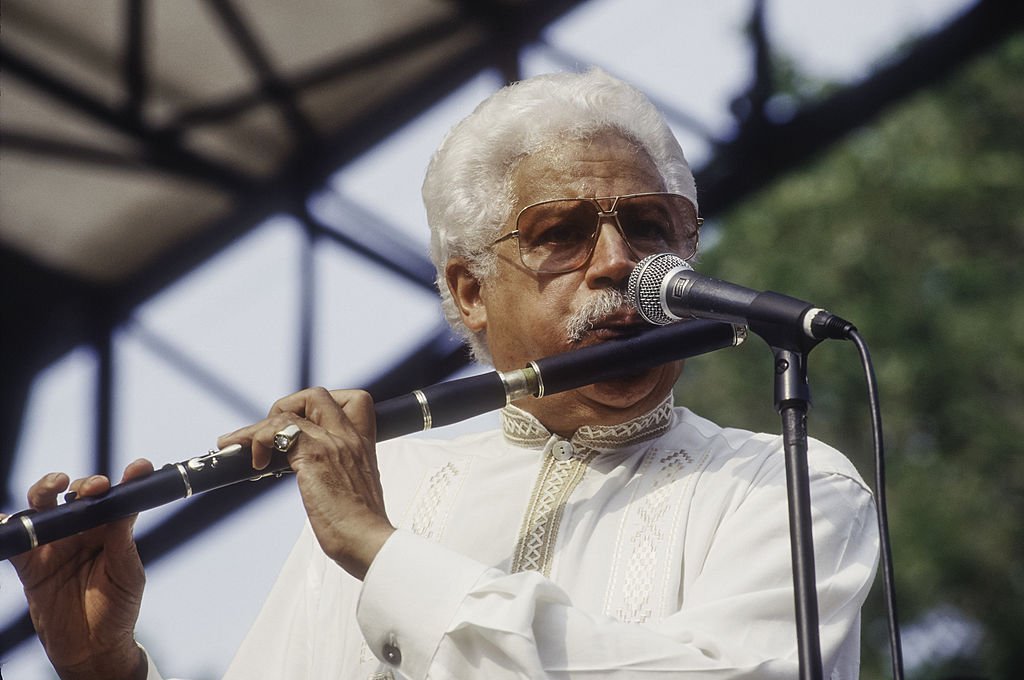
603, 165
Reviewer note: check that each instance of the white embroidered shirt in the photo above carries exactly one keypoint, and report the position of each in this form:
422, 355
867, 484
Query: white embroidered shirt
656, 548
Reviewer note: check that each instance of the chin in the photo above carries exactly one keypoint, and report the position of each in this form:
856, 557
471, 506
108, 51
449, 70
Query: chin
642, 391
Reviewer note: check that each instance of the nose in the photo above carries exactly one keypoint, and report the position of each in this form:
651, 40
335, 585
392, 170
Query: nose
612, 260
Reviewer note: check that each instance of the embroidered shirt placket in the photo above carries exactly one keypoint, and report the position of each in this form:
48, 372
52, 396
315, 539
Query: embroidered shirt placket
554, 487
559, 475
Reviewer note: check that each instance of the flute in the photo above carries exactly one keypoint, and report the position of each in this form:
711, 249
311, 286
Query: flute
440, 404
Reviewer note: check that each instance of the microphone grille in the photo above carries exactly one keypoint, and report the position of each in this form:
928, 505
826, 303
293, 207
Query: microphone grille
644, 287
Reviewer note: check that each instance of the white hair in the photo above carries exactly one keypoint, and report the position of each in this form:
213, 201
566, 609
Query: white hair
468, 190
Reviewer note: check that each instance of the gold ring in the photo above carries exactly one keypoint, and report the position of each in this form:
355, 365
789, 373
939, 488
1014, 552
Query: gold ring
285, 438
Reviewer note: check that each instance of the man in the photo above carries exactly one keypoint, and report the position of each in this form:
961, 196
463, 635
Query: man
601, 532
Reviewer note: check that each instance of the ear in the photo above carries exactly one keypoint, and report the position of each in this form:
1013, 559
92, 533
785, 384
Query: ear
467, 290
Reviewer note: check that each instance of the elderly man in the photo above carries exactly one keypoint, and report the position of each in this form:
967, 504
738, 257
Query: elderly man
600, 532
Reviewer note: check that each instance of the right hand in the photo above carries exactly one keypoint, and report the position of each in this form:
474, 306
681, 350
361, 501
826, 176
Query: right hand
84, 592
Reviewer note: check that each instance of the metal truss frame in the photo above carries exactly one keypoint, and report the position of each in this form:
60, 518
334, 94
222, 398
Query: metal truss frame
63, 312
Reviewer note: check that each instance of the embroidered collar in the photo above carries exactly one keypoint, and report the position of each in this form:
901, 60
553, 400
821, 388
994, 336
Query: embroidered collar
523, 429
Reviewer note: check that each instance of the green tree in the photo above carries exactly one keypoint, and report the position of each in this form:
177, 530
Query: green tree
912, 228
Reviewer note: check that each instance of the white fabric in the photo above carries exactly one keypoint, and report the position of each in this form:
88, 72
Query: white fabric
152, 672
670, 558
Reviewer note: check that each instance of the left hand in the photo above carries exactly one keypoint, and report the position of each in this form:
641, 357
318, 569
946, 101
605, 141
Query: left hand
84, 591
335, 462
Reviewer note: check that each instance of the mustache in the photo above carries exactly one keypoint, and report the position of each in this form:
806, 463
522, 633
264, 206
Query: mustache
597, 307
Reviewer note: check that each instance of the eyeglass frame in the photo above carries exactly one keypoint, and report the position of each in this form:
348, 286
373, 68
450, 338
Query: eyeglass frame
602, 214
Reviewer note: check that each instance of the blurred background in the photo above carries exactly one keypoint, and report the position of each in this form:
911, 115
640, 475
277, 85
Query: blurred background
205, 205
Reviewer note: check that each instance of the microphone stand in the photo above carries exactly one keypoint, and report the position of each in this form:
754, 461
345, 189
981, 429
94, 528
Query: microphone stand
792, 401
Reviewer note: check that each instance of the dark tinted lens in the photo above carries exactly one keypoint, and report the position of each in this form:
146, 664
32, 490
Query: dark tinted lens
557, 235
659, 223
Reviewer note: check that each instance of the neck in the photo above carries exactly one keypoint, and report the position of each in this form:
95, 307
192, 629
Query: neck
595, 405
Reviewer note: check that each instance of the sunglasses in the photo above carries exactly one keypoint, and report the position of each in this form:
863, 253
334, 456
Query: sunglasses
559, 235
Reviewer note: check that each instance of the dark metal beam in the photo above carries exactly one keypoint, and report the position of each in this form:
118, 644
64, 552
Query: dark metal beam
307, 296
34, 335
762, 85
161, 150
379, 242
75, 152
671, 113
272, 87
106, 397
375, 56
759, 154
135, 58
203, 377
508, 30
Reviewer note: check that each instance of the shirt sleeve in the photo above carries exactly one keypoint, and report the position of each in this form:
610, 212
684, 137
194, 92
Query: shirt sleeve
152, 672
430, 612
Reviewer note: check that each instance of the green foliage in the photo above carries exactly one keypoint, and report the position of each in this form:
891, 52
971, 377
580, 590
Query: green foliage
914, 230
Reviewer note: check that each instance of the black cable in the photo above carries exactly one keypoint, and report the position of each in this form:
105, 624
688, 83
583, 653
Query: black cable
888, 581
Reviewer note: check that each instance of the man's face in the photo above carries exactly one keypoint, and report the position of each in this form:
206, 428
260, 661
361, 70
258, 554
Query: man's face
524, 313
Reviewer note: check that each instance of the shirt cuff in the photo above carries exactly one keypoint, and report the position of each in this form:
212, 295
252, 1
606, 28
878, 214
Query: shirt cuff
410, 595
151, 670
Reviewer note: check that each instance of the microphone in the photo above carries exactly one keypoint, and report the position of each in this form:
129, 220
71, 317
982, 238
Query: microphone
664, 288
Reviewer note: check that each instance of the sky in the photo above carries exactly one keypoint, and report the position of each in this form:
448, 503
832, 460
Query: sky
238, 332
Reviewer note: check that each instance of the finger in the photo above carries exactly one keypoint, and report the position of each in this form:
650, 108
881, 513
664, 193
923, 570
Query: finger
89, 486
357, 405
338, 412
264, 440
258, 437
137, 468
315, 405
242, 435
97, 484
43, 494
310, 407
293, 403
346, 415
312, 410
